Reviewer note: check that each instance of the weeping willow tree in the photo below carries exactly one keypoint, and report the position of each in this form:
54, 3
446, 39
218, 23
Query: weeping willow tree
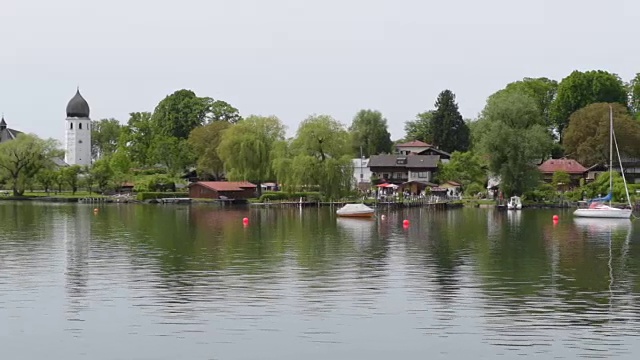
318, 157
246, 149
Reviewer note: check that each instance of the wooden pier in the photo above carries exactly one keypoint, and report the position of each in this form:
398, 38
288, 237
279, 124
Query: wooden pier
440, 205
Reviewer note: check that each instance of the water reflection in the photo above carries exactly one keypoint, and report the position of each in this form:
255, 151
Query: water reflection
164, 281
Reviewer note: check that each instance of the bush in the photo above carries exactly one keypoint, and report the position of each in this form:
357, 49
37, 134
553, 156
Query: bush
312, 196
142, 196
574, 195
544, 192
474, 189
155, 183
151, 171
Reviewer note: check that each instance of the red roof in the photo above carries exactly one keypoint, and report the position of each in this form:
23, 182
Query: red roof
414, 143
567, 165
226, 185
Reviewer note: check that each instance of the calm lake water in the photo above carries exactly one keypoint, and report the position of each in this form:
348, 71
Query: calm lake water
172, 282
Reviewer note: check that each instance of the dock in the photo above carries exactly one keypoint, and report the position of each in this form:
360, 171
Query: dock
439, 205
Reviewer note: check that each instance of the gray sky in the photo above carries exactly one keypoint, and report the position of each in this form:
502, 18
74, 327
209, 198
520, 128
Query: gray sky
293, 58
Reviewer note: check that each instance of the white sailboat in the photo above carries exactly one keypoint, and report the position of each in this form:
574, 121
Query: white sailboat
597, 208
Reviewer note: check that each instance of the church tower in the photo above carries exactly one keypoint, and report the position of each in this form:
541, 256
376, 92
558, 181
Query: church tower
78, 132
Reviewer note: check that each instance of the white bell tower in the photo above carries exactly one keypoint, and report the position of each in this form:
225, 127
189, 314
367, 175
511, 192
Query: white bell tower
78, 132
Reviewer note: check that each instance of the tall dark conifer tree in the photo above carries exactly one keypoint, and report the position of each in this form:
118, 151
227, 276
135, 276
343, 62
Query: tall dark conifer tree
450, 132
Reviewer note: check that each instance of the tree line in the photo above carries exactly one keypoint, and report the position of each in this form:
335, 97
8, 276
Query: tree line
521, 125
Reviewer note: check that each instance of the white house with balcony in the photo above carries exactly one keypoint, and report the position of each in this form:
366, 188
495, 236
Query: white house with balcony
361, 172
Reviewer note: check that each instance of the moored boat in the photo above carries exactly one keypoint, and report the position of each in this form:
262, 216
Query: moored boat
355, 210
514, 203
597, 208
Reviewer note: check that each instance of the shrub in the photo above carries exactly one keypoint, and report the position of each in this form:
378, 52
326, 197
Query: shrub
544, 192
155, 183
142, 196
474, 189
150, 171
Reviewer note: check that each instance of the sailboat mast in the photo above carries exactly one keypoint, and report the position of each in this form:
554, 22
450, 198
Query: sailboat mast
610, 151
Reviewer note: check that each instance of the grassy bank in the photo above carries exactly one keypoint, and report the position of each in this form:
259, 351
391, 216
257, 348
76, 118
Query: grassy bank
63, 195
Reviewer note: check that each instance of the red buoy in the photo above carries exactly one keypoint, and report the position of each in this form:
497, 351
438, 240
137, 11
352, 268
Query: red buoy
405, 223
555, 218
245, 221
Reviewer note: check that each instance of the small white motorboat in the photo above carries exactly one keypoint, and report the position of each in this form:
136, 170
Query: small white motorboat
355, 210
514, 203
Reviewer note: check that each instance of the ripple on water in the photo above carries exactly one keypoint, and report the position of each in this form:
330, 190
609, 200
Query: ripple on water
344, 287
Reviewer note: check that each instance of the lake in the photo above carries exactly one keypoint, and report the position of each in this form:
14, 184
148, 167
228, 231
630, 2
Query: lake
191, 282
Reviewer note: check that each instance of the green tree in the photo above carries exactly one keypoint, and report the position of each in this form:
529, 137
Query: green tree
70, 175
179, 113
45, 178
560, 179
321, 136
105, 135
221, 111
541, 90
102, 174
587, 136
580, 89
516, 140
420, 128
634, 96
464, 168
120, 162
173, 153
58, 178
22, 158
87, 180
246, 148
321, 157
370, 132
204, 141
450, 132
137, 137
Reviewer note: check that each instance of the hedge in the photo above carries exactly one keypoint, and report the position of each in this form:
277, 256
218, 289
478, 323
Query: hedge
151, 171
142, 196
282, 196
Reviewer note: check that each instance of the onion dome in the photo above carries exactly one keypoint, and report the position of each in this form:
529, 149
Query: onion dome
78, 107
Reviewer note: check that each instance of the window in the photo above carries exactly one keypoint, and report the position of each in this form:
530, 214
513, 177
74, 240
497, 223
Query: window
423, 174
71, 126
79, 126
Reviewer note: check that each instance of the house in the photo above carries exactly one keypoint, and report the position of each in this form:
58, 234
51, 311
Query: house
361, 173
421, 148
415, 146
269, 186
575, 170
7, 134
594, 171
453, 188
631, 167
630, 164
222, 190
404, 169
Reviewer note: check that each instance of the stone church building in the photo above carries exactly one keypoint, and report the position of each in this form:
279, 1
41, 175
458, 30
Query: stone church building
77, 140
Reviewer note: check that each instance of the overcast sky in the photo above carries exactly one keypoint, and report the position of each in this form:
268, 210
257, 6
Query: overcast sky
293, 58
